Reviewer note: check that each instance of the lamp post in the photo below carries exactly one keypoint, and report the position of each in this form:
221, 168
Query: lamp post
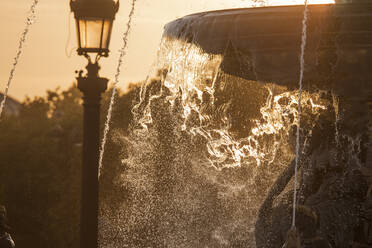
94, 20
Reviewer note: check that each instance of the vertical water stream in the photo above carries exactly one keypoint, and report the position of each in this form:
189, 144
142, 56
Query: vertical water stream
30, 20
302, 67
118, 71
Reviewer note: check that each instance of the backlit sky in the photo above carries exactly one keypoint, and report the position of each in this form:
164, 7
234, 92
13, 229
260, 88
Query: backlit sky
44, 63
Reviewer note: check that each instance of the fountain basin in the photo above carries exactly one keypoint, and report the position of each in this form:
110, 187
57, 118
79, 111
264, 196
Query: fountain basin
263, 44
206, 159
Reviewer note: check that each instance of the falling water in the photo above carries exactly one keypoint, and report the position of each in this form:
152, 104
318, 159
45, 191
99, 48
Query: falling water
207, 143
190, 143
30, 20
302, 67
114, 89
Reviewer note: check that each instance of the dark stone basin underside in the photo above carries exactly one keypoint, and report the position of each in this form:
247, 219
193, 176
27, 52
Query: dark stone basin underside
263, 44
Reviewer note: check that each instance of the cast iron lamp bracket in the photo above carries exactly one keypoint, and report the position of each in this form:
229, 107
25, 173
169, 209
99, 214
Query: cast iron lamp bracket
91, 84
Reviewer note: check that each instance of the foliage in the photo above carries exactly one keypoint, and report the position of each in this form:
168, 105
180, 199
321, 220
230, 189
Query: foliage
40, 164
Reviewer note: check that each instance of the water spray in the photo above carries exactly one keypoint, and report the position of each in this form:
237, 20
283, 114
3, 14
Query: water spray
302, 67
29, 21
114, 89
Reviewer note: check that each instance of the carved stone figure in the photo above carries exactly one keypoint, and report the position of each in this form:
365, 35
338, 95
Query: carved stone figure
332, 209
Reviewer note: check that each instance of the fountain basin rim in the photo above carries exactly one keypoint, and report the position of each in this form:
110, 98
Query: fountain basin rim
211, 30
267, 40
262, 8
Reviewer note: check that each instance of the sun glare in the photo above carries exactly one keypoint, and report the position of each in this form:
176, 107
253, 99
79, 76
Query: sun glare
298, 2
261, 3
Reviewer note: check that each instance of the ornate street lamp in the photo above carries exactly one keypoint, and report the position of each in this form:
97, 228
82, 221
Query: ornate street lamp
94, 20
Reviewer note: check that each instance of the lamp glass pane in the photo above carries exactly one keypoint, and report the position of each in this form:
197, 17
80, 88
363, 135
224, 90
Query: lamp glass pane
106, 33
90, 33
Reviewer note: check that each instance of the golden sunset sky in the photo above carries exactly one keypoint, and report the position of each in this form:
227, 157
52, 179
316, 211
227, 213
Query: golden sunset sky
44, 63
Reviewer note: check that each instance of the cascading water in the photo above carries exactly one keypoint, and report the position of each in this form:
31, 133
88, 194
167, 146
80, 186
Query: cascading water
207, 159
30, 20
192, 146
